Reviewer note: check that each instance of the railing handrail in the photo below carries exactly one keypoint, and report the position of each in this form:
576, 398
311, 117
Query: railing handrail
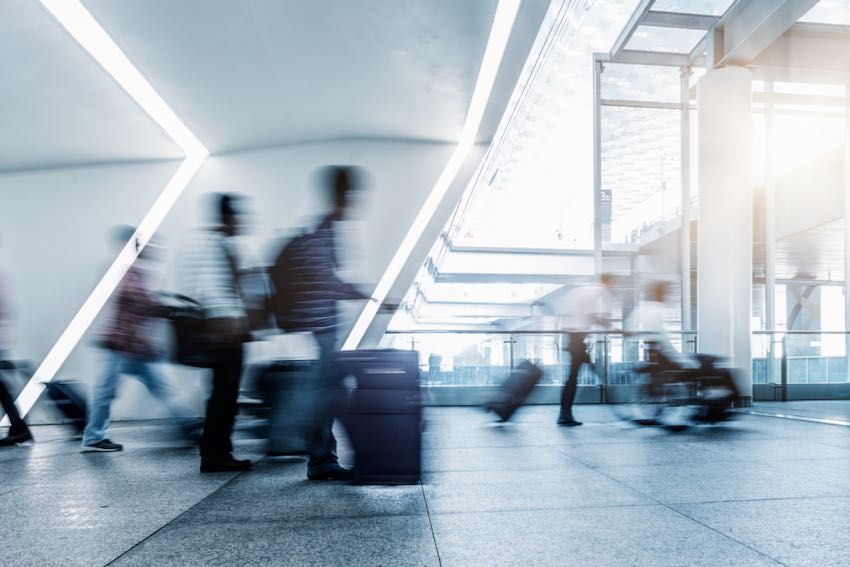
529, 332
779, 332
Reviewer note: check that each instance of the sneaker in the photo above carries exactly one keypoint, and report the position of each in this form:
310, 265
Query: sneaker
224, 464
335, 472
16, 438
102, 446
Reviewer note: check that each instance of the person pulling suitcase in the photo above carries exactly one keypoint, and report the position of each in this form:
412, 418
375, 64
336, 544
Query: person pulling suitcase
306, 291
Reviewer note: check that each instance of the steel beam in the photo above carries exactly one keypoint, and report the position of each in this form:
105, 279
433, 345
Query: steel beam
751, 26
634, 21
640, 104
658, 58
798, 99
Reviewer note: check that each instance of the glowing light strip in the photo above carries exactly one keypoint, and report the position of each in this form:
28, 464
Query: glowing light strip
82, 26
500, 31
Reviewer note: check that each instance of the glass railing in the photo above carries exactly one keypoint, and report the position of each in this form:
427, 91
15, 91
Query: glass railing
475, 358
781, 358
479, 358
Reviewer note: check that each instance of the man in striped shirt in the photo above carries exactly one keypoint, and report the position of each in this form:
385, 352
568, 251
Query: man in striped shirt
308, 290
209, 274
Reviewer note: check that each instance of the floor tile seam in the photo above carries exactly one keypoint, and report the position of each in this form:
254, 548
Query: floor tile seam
684, 515
172, 520
431, 524
550, 509
756, 500
301, 520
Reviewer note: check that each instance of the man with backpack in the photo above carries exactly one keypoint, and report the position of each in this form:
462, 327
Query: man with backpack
307, 289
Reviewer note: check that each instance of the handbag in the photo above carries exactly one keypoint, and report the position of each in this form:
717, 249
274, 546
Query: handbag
192, 345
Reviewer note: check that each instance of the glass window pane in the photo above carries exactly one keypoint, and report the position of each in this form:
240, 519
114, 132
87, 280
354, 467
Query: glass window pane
710, 7
641, 155
672, 40
641, 82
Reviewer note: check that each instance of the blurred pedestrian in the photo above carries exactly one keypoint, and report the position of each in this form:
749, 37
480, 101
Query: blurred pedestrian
130, 348
18, 430
586, 308
210, 275
307, 289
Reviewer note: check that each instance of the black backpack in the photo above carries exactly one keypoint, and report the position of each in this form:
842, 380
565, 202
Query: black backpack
282, 275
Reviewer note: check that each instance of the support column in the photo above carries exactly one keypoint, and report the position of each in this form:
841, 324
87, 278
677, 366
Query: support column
847, 224
770, 235
725, 257
597, 165
685, 161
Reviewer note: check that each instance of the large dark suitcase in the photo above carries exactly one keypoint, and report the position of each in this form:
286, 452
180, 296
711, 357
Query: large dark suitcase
69, 400
514, 391
383, 415
287, 387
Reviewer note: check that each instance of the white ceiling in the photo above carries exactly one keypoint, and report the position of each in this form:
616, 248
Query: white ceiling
255, 73
59, 107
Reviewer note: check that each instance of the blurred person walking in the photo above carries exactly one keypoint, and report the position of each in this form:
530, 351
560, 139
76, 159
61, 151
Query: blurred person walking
130, 348
586, 308
19, 432
307, 289
210, 275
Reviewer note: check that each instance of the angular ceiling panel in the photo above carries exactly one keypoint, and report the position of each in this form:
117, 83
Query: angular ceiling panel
258, 73
59, 107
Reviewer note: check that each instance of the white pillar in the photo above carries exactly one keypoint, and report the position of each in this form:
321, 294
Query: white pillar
847, 224
725, 240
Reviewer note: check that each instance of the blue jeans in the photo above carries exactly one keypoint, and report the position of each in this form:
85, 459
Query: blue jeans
322, 443
118, 363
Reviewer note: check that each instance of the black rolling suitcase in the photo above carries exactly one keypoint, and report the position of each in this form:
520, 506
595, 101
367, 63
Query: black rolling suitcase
67, 399
383, 415
514, 391
287, 388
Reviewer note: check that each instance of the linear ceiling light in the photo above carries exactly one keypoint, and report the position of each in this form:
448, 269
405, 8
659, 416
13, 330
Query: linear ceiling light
82, 26
500, 31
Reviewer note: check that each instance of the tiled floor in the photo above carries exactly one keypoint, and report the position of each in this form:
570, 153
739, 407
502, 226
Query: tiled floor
755, 491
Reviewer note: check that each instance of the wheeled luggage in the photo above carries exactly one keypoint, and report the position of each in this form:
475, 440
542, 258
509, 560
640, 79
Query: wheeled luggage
287, 388
383, 415
514, 391
67, 399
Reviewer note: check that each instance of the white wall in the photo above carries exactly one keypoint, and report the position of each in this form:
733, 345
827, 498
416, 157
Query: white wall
57, 257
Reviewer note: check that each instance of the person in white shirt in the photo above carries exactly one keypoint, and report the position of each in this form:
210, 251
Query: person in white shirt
586, 308
648, 324
209, 274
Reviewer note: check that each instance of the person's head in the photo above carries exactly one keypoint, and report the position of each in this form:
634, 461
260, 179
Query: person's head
340, 182
608, 280
658, 291
228, 210
122, 234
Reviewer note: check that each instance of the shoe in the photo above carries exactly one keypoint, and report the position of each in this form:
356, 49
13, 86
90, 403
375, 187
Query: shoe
226, 464
335, 472
568, 422
102, 446
16, 438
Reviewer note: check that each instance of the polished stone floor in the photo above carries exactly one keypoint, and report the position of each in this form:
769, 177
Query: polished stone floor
757, 491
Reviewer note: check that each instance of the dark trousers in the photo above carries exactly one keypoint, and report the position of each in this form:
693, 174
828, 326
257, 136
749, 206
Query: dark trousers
322, 443
17, 424
578, 356
222, 406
